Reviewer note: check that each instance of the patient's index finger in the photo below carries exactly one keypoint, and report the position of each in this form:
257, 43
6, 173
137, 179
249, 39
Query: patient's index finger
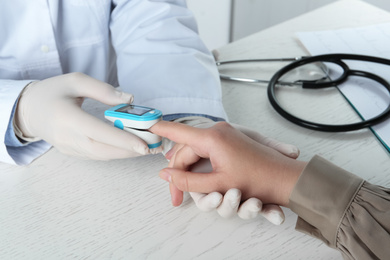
177, 132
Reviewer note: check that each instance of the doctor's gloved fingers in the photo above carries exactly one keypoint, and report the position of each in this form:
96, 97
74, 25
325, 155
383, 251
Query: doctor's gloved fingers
215, 54
167, 145
90, 149
230, 203
170, 148
250, 208
156, 150
253, 207
92, 129
207, 202
273, 213
287, 149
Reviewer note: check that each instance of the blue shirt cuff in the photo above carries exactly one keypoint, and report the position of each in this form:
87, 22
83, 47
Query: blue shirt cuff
10, 138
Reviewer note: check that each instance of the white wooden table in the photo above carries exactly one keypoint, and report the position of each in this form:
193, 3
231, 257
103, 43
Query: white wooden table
64, 208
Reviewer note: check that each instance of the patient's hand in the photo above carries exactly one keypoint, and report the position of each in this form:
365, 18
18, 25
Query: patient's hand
230, 204
237, 162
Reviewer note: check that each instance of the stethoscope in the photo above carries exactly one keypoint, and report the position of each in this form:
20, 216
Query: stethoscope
320, 83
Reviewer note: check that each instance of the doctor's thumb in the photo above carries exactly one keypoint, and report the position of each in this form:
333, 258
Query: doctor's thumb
124, 97
116, 97
81, 85
110, 96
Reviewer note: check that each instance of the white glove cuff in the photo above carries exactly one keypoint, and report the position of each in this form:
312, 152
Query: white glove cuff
19, 134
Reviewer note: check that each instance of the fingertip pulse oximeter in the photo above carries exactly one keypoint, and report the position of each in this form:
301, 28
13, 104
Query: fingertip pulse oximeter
136, 120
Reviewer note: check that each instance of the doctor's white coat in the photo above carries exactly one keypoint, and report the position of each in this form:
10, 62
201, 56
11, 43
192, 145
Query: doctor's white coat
150, 48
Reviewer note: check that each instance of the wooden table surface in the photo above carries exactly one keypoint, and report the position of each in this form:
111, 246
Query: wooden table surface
61, 207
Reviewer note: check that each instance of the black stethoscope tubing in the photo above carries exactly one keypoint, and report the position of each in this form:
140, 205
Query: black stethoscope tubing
337, 59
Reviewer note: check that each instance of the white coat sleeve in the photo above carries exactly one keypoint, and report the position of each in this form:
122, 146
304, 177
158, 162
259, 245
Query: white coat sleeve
21, 155
161, 58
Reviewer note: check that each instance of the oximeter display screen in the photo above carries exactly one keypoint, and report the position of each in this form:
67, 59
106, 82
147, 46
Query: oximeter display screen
134, 110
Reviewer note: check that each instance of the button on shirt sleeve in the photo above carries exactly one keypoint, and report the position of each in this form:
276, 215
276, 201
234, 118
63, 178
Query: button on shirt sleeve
342, 210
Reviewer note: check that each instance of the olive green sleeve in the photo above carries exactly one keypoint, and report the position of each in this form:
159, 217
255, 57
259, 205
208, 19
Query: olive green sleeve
342, 210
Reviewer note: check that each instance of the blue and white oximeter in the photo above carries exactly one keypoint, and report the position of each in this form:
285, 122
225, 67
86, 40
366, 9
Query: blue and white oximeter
136, 120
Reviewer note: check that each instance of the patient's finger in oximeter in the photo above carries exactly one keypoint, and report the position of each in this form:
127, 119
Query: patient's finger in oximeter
136, 120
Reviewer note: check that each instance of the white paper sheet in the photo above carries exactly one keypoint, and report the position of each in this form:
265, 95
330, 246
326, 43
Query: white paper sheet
368, 100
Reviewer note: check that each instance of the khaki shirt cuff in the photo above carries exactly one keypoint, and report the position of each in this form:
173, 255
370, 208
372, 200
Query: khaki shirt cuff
321, 197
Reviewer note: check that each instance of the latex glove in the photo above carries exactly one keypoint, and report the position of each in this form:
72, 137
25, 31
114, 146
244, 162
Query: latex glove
229, 204
51, 110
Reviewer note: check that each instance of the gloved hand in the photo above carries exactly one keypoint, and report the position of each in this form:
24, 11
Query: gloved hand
229, 204
51, 110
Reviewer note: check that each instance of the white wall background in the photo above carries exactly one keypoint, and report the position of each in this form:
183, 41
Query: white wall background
214, 18
222, 21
